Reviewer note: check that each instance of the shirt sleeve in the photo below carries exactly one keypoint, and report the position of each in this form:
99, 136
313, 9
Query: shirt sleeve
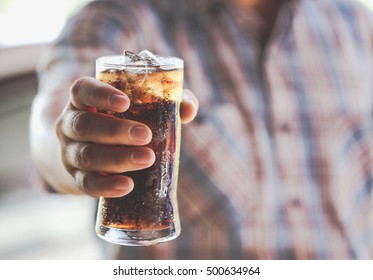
100, 28
364, 23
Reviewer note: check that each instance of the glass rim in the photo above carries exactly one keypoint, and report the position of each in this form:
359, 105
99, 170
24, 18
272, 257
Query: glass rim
117, 62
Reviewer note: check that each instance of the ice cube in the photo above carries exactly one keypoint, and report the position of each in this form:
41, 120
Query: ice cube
144, 58
131, 58
150, 58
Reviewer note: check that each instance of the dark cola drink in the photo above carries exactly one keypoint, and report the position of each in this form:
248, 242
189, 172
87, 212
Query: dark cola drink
148, 214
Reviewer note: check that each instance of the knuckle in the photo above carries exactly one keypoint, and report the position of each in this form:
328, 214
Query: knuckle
76, 86
58, 127
84, 157
79, 124
67, 164
60, 123
83, 182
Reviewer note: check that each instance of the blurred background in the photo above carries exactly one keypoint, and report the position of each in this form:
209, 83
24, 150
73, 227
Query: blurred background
33, 224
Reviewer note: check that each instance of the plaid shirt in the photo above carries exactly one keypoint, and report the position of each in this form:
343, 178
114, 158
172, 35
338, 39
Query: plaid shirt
279, 162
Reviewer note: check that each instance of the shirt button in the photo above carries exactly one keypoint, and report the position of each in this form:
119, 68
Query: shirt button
285, 127
295, 203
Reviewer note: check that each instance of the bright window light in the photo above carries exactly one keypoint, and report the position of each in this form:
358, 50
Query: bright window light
369, 3
37, 21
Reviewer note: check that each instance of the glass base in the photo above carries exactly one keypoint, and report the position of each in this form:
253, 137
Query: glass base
136, 237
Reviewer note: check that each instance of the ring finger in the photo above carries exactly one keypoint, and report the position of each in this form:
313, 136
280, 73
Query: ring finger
109, 159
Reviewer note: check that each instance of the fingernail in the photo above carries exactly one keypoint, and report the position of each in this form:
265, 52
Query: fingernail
142, 157
190, 101
124, 185
139, 133
119, 102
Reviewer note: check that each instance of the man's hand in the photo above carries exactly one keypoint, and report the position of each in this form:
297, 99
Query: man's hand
92, 143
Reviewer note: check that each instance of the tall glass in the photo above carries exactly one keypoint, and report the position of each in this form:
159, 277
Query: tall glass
149, 214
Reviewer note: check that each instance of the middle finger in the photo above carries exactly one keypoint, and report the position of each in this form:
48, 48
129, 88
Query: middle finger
108, 159
105, 129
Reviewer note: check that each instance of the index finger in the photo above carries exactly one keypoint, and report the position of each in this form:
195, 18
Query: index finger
88, 93
189, 106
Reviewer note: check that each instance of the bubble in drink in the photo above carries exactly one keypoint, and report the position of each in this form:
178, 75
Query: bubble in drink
149, 213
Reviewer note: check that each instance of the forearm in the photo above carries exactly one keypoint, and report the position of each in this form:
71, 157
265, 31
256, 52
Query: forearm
44, 144
57, 74
83, 40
